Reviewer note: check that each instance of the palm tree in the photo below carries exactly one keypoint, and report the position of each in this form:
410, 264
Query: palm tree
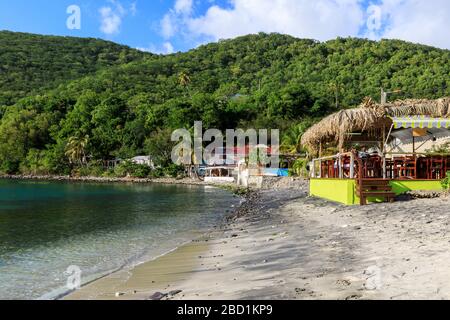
76, 149
184, 80
336, 88
290, 143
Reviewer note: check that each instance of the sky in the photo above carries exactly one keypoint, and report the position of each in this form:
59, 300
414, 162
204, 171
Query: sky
167, 26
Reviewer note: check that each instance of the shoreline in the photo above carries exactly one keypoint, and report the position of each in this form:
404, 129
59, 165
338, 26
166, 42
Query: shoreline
55, 178
285, 245
176, 262
159, 278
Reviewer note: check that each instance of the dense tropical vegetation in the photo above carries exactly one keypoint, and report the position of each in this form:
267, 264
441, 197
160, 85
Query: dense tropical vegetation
31, 64
128, 105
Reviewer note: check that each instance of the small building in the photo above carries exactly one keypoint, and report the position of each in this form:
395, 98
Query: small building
373, 153
143, 160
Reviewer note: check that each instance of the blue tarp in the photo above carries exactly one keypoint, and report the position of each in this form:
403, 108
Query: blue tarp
277, 172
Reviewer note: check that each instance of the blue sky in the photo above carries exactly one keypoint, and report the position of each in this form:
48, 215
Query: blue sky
165, 26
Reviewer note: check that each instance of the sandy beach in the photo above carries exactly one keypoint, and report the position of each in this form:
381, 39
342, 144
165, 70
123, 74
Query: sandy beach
284, 245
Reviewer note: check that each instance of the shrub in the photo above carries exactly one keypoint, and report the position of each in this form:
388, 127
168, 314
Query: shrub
299, 168
131, 169
174, 170
446, 181
157, 173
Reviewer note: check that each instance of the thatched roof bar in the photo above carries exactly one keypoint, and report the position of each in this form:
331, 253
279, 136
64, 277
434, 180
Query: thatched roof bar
370, 116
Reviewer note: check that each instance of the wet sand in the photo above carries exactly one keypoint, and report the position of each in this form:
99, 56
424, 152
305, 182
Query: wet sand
149, 277
285, 245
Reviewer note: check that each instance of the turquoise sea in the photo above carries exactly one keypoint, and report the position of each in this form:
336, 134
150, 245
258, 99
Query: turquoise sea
45, 227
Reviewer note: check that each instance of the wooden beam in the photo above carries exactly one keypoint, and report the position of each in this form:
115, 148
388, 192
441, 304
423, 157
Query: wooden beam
320, 149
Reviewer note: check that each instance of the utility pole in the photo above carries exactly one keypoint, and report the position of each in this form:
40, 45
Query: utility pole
384, 95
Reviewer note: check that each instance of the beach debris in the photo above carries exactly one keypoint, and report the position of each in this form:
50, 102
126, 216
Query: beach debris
299, 290
158, 296
424, 194
175, 292
119, 294
354, 297
344, 282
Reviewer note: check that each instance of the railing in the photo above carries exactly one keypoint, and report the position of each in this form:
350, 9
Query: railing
339, 164
424, 166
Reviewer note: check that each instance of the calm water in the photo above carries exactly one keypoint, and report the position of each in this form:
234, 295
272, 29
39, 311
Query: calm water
45, 227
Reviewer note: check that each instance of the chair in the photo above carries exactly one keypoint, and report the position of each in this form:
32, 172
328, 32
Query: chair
332, 168
346, 166
398, 167
437, 167
423, 168
410, 165
373, 167
389, 168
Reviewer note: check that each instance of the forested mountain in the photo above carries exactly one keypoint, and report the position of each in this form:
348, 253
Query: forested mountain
265, 80
30, 64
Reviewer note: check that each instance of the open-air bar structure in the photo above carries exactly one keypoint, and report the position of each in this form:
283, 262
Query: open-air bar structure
358, 155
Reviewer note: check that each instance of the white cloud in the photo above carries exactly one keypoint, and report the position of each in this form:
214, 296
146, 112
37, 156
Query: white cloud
168, 26
177, 16
183, 6
422, 21
111, 17
167, 48
320, 19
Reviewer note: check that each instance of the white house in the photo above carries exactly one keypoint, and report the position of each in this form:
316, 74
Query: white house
144, 160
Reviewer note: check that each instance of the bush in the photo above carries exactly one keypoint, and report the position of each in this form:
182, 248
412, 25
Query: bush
34, 163
90, 171
299, 168
157, 173
446, 182
131, 169
174, 171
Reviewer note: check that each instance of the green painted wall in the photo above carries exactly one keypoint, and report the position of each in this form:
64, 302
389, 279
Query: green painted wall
337, 190
402, 186
343, 190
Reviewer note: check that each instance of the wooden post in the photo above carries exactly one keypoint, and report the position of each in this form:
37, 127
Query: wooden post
384, 166
320, 149
341, 172
320, 168
313, 169
352, 166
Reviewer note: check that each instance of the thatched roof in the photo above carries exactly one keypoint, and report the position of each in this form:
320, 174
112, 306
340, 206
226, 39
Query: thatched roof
369, 116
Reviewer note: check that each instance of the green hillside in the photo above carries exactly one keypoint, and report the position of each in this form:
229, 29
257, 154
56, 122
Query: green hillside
31, 64
265, 80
